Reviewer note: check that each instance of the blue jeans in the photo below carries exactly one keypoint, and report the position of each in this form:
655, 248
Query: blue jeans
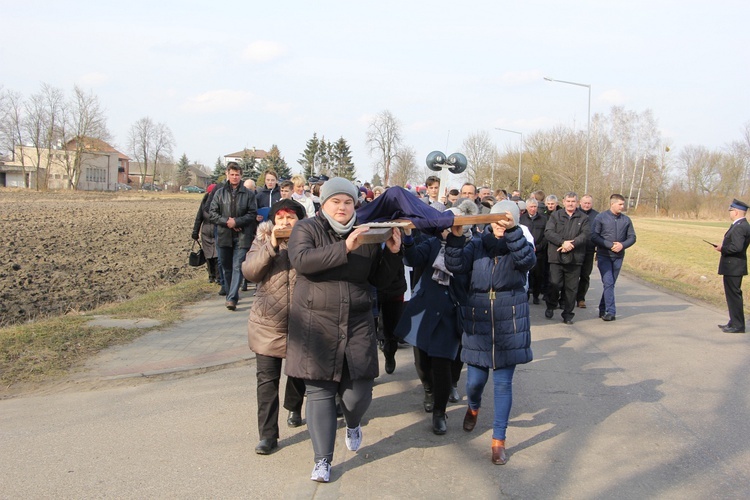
609, 268
231, 259
502, 379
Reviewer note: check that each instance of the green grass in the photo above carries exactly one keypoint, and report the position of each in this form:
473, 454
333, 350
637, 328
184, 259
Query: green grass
47, 349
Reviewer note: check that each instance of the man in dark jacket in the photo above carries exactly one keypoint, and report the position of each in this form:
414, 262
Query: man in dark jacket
612, 233
233, 210
567, 232
733, 265
268, 192
536, 222
587, 207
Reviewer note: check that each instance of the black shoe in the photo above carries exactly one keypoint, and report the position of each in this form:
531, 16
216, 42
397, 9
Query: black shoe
608, 317
244, 287
549, 313
429, 402
294, 419
223, 291
731, 329
339, 411
721, 327
454, 397
601, 314
536, 300
266, 446
568, 321
439, 425
390, 363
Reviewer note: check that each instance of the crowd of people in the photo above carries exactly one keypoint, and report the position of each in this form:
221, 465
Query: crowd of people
325, 299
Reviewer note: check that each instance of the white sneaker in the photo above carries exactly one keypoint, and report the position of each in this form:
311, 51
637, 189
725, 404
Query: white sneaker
322, 471
354, 438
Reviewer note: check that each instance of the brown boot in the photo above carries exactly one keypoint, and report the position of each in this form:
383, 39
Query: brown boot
470, 419
498, 452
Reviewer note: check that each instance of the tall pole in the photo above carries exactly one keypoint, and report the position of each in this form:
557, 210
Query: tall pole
588, 127
520, 152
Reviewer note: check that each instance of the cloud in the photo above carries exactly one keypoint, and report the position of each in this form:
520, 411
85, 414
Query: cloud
93, 79
520, 77
280, 108
263, 51
612, 97
218, 100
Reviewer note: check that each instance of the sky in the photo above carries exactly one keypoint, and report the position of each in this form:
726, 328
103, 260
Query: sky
228, 75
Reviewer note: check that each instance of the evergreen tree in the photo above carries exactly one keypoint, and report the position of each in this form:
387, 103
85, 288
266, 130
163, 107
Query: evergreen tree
310, 156
249, 165
275, 161
325, 160
183, 172
376, 180
341, 156
219, 172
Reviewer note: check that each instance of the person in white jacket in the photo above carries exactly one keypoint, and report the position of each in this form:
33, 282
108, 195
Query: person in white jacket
299, 195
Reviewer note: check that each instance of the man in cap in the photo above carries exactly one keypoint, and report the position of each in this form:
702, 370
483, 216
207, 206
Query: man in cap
733, 265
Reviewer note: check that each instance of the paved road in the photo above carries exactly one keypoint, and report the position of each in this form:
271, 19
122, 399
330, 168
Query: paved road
653, 405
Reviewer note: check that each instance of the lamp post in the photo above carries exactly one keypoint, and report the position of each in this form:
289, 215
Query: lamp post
588, 127
520, 153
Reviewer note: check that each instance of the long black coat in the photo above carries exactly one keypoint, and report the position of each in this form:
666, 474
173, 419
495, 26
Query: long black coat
733, 261
331, 318
430, 320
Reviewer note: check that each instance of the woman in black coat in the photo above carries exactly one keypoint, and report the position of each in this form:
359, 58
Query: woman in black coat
431, 323
331, 342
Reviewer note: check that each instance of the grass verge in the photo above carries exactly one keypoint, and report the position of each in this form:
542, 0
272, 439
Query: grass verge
47, 349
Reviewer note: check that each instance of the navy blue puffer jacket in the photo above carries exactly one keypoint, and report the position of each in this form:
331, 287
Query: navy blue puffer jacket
496, 325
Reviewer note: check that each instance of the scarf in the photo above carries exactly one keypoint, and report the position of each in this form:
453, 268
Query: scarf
340, 229
441, 275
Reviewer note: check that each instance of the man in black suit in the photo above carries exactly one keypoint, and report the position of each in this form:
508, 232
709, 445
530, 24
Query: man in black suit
733, 265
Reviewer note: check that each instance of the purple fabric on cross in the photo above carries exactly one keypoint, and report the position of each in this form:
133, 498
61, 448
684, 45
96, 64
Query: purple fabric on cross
398, 203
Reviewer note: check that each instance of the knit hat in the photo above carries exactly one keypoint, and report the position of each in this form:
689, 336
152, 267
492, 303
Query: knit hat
507, 206
338, 185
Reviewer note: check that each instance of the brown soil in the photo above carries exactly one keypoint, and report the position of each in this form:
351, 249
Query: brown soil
64, 252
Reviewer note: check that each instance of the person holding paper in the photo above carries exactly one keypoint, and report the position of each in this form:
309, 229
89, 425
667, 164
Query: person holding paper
733, 265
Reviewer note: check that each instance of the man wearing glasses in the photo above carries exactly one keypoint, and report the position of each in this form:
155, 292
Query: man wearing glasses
733, 265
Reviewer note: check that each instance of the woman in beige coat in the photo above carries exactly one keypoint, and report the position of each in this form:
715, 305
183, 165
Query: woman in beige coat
267, 263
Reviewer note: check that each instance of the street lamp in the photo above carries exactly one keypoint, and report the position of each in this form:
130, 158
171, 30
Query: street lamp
588, 127
520, 153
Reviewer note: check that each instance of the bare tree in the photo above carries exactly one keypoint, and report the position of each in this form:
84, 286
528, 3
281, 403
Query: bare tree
482, 159
163, 146
35, 125
85, 121
384, 139
140, 142
405, 168
12, 127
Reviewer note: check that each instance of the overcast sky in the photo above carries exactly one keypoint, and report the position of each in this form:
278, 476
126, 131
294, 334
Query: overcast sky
228, 75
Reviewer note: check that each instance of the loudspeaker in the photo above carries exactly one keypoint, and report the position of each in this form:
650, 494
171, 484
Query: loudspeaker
435, 159
458, 163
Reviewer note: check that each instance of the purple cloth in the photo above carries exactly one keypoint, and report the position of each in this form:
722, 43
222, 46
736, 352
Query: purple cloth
398, 203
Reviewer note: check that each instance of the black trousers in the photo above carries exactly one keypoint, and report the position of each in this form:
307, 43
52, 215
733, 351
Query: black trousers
390, 313
733, 294
437, 375
563, 279
268, 375
537, 274
584, 281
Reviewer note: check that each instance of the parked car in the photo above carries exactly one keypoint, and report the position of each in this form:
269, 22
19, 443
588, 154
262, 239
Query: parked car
123, 187
193, 189
150, 187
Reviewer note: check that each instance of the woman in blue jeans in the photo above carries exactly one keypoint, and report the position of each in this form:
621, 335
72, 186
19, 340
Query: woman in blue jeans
496, 332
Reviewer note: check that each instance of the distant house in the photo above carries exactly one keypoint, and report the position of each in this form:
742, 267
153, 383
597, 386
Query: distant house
258, 154
101, 166
198, 177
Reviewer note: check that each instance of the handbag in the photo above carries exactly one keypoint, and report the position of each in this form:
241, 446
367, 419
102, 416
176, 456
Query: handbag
196, 259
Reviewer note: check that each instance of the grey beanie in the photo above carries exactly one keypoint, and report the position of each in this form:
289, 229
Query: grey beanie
338, 185
506, 206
